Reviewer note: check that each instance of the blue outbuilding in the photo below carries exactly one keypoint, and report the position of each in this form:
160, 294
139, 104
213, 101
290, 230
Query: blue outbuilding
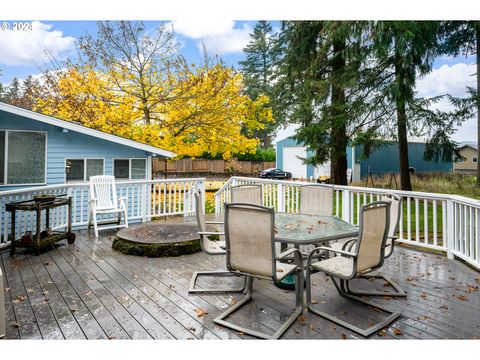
38, 150
383, 159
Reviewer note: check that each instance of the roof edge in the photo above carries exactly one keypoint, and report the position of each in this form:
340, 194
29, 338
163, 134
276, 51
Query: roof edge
84, 130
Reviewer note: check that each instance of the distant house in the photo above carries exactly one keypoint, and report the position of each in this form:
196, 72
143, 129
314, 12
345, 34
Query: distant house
382, 160
468, 165
38, 150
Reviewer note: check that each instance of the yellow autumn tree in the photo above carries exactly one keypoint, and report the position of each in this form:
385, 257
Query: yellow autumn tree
206, 111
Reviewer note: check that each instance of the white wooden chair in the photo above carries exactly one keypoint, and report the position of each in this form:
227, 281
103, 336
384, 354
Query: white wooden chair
103, 201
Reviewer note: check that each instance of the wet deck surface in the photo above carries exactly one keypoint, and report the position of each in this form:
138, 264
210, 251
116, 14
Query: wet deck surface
87, 290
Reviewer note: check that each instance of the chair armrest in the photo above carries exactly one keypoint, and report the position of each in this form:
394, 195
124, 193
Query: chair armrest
213, 222
349, 243
210, 233
122, 198
342, 252
297, 256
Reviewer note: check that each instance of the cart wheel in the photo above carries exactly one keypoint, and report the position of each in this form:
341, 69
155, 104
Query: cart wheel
71, 238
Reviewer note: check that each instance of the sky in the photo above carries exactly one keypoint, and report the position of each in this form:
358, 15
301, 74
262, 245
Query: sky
23, 54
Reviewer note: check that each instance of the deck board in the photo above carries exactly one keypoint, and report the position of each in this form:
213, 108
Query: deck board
87, 290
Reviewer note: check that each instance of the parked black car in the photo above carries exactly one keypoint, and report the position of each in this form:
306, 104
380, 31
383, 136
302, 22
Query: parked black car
275, 174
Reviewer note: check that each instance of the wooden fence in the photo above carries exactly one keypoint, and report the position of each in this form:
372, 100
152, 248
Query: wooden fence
210, 166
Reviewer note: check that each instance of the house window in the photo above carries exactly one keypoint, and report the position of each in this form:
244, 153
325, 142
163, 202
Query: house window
82, 169
23, 157
474, 159
130, 169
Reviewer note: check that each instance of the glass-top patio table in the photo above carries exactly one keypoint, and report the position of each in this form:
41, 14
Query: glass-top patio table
301, 229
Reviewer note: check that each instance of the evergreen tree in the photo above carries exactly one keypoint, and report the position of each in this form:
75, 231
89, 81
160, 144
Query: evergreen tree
318, 76
463, 38
257, 71
404, 51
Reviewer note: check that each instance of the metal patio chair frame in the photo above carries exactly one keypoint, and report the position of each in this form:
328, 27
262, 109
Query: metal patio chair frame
356, 256
390, 245
205, 243
247, 193
236, 266
2, 308
104, 201
316, 199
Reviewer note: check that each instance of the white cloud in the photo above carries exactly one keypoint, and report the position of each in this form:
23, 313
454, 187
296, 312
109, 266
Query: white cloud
451, 79
218, 36
29, 47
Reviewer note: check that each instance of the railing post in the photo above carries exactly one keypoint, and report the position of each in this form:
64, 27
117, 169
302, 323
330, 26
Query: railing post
450, 228
346, 205
144, 203
280, 198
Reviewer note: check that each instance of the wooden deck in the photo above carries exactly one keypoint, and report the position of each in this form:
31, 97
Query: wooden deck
87, 290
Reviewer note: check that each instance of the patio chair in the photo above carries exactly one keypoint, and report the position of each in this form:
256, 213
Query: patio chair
249, 238
103, 201
210, 247
316, 200
395, 209
369, 254
2, 308
247, 193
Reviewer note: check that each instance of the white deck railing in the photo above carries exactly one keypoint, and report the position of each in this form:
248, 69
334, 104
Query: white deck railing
146, 200
448, 223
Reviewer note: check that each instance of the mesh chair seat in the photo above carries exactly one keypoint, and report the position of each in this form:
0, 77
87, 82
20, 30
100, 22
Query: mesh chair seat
284, 269
338, 266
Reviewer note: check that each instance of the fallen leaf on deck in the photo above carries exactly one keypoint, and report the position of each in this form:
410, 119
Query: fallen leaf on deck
382, 333
445, 307
46, 264
312, 327
423, 296
344, 337
279, 270
6, 289
15, 324
462, 297
423, 317
471, 288
111, 337
451, 277
323, 301
191, 328
234, 301
29, 290
200, 312
314, 301
387, 297
302, 318
240, 333
397, 332
21, 297
377, 310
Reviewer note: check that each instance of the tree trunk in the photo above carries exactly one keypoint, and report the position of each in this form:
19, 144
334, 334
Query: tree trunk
405, 183
477, 35
339, 140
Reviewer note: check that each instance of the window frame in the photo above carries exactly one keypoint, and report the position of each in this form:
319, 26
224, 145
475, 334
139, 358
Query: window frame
474, 159
84, 169
130, 168
5, 165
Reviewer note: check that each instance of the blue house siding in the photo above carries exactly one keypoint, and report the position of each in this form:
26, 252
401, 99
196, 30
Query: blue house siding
385, 159
63, 145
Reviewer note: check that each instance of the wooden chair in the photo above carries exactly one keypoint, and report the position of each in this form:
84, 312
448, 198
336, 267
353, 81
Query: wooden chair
103, 201
316, 200
249, 239
209, 247
369, 254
